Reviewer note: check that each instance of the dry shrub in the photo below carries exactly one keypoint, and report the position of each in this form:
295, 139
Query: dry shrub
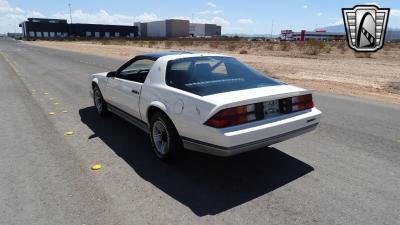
168, 44
243, 51
184, 43
105, 41
151, 44
213, 44
363, 54
231, 47
342, 47
313, 47
285, 46
269, 47
327, 49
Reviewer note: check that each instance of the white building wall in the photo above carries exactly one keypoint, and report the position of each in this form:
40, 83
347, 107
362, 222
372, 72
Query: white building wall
197, 29
157, 29
138, 26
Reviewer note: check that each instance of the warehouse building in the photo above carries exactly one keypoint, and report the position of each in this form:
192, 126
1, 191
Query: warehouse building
322, 35
174, 28
102, 31
204, 30
171, 28
38, 28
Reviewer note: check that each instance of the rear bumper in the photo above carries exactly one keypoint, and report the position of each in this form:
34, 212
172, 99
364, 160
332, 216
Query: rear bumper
234, 140
229, 151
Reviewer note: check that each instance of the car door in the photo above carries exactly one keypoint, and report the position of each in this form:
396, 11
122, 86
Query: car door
124, 89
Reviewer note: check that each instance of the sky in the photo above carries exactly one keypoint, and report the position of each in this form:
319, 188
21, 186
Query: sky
246, 17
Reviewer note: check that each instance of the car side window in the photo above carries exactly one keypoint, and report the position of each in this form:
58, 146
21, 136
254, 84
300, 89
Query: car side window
137, 71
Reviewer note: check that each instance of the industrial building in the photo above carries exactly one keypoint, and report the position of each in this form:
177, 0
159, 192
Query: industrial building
38, 28
204, 30
322, 35
174, 28
171, 28
392, 35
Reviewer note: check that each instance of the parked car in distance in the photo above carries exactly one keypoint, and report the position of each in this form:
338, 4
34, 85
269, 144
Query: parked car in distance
204, 102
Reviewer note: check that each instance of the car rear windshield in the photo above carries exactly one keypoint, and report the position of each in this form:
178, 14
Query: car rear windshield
214, 74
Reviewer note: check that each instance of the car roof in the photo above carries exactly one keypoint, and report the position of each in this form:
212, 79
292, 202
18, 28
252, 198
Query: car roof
157, 55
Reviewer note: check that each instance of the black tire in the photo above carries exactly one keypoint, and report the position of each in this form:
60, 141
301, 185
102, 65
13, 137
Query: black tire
173, 146
99, 103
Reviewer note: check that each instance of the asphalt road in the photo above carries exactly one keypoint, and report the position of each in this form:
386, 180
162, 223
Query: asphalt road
346, 172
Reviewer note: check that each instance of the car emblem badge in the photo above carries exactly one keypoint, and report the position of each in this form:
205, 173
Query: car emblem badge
365, 27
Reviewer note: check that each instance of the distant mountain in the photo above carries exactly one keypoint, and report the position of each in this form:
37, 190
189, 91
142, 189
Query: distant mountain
337, 28
340, 28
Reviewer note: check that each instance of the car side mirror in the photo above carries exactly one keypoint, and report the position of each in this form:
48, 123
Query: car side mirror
112, 74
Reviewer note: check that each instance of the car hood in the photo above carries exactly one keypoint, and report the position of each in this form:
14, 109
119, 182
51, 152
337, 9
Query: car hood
103, 74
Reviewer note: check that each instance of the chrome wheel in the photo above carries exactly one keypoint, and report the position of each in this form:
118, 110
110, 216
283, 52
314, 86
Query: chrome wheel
98, 101
160, 137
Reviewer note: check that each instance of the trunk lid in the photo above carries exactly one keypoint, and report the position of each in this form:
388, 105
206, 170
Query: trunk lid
250, 96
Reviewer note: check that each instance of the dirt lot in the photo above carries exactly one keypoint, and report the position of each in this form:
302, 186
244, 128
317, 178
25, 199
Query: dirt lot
331, 67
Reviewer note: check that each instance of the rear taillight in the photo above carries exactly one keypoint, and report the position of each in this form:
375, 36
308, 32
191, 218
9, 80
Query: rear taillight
297, 103
248, 113
236, 115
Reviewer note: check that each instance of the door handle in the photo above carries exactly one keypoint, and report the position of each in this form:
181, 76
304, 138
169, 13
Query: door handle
135, 92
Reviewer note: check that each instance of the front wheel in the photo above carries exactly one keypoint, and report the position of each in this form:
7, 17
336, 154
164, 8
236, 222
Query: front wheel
165, 140
99, 102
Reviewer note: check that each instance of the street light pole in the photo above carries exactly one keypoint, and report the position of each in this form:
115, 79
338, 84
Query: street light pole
70, 12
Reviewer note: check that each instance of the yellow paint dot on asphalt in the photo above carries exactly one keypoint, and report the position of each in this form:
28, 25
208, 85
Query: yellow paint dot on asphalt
52, 113
56, 103
65, 111
33, 90
45, 93
96, 167
69, 133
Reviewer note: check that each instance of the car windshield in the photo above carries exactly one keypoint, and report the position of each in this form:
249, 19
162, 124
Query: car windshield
209, 75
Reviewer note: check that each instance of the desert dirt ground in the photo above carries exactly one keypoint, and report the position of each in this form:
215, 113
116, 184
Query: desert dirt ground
334, 69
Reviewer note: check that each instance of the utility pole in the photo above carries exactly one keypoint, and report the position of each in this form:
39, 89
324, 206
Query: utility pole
272, 29
70, 12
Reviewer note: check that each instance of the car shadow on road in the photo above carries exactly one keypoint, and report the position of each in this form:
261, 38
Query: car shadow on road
206, 184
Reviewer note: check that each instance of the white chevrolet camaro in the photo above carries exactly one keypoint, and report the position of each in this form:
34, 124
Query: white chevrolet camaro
204, 102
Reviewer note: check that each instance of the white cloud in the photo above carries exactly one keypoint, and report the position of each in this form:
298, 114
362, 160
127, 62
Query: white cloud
146, 17
11, 17
305, 6
205, 12
213, 5
103, 17
336, 21
395, 12
372, 3
319, 14
220, 21
245, 21
216, 20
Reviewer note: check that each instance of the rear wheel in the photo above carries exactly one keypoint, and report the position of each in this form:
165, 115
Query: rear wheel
99, 102
165, 139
